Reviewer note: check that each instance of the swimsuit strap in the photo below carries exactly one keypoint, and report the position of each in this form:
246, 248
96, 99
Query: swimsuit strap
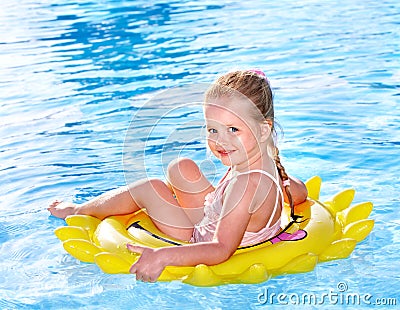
277, 185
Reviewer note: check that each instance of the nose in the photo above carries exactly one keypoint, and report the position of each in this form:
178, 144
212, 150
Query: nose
221, 140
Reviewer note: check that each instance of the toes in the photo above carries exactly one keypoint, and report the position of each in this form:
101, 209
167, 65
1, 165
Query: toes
54, 204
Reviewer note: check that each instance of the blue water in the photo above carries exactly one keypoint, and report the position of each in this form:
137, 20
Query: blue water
73, 74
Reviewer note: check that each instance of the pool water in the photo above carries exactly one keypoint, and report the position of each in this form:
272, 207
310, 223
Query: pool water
74, 74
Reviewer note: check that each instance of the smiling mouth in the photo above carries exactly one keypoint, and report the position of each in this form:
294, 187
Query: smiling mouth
224, 152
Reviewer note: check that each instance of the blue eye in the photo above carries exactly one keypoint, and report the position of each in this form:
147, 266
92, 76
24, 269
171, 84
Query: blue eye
233, 129
212, 130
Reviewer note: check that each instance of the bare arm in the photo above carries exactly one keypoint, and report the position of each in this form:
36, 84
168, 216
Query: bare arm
153, 261
297, 189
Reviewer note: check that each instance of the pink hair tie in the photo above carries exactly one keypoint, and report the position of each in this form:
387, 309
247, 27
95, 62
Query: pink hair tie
286, 183
259, 72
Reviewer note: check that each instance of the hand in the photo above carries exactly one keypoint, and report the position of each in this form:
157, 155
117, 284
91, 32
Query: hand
149, 265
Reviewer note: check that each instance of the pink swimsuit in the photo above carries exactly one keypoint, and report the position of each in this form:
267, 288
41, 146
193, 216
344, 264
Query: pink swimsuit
205, 229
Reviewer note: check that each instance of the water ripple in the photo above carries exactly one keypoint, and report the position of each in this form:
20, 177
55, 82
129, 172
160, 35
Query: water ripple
74, 72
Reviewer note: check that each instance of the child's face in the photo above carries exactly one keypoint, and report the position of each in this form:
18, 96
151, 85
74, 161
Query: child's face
233, 134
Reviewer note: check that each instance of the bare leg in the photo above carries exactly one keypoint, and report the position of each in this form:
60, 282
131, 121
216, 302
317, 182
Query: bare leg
174, 217
166, 213
153, 195
190, 187
114, 202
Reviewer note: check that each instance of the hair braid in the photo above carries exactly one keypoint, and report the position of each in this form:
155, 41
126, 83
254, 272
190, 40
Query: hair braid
286, 184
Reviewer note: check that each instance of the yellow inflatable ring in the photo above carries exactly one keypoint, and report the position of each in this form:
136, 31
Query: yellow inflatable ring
330, 230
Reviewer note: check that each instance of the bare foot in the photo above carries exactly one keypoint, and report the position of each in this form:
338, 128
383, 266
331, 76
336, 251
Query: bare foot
62, 209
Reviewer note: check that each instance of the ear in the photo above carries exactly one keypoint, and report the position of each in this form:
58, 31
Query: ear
266, 127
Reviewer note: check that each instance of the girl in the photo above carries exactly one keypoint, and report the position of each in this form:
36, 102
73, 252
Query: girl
243, 209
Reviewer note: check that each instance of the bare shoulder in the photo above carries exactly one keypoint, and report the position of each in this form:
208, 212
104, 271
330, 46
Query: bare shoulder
250, 189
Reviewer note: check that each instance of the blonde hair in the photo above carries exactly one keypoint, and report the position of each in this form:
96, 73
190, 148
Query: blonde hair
255, 86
